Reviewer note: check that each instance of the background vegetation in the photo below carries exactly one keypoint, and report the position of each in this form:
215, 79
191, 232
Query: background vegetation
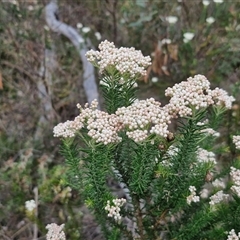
31, 167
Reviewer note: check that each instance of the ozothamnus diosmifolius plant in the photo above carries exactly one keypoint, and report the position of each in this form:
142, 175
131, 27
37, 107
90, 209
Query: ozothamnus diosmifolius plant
174, 188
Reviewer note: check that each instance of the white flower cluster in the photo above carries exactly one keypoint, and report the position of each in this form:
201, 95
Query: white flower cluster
195, 92
221, 98
172, 151
104, 127
210, 132
101, 126
233, 236
67, 129
188, 36
210, 20
190, 92
206, 121
144, 117
236, 141
165, 41
205, 2
218, 197
55, 232
171, 19
113, 210
192, 197
30, 205
218, 1
236, 189
219, 183
205, 156
138, 135
235, 175
125, 60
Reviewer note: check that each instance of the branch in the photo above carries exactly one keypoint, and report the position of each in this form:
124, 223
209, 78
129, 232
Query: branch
44, 87
77, 40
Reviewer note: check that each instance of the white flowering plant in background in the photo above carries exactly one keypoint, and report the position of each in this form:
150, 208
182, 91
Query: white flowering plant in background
163, 173
193, 38
55, 232
30, 205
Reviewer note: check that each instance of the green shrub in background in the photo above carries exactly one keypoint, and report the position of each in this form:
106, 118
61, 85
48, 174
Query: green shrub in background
32, 188
202, 36
174, 187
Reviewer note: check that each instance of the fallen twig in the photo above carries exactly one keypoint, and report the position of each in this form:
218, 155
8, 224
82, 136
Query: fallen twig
89, 82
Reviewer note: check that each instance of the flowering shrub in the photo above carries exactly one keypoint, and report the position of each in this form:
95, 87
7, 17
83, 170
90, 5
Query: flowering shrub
183, 37
236, 141
166, 176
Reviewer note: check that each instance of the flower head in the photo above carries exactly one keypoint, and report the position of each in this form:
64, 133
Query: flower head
236, 189
114, 208
188, 36
233, 236
205, 156
195, 92
125, 60
30, 205
154, 79
192, 197
221, 98
236, 141
171, 19
210, 132
186, 93
98, 35
210, 20
79, 25
55, 232
205, 2
101, 126
218, 197
218, 1
219, 183
86, 29
143, 118
235, 175
166, 41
